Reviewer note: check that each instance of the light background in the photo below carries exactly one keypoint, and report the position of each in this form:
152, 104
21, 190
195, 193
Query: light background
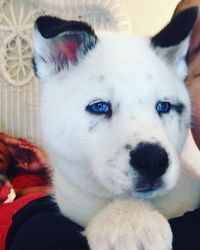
149, 16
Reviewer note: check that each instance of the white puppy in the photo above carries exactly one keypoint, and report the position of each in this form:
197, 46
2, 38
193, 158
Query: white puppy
115, 115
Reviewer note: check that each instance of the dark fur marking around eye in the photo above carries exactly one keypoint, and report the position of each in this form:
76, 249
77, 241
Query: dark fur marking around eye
176, 106
179, 107
93, 126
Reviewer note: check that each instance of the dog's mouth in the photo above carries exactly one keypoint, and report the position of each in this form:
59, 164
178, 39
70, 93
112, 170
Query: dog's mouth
145, 185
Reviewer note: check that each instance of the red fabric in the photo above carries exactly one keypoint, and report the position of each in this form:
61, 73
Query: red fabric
8, 210
4, 192
24, 179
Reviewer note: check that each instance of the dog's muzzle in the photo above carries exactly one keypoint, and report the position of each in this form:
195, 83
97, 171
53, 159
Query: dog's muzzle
151, 162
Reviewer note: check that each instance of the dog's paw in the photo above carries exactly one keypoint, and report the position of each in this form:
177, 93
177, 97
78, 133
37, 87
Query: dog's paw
129, 225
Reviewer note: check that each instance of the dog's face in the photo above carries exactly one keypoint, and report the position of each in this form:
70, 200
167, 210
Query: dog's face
115, 111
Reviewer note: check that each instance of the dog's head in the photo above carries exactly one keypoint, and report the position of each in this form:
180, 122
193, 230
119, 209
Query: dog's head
115, 111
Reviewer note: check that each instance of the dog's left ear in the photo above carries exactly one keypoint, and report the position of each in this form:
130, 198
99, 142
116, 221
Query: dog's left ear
59, 44
172, 43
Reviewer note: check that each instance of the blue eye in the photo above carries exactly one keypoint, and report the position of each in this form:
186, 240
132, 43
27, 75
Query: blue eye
100, 108
163, 107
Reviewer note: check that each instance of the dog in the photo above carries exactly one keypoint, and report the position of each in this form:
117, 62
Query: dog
115, 114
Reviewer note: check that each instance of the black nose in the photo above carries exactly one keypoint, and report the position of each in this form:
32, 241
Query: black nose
150, 160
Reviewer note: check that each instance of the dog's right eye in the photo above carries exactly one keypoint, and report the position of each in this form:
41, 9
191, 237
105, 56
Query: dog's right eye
100, 108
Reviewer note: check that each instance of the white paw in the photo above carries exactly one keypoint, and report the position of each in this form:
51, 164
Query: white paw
129, 225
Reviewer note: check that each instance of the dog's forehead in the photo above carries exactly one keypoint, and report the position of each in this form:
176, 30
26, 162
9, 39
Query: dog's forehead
121, 67
129, 61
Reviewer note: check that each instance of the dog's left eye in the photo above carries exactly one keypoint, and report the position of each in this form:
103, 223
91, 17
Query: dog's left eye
100, 108
163, 107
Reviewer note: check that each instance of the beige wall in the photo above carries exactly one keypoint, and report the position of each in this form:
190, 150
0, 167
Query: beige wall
149, 16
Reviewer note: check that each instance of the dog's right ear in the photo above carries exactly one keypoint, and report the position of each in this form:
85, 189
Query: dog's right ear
59, 43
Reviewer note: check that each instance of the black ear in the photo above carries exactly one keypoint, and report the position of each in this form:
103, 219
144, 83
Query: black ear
172, 42
59, 43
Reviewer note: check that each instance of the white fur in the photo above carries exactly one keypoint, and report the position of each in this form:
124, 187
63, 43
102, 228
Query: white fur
90, 163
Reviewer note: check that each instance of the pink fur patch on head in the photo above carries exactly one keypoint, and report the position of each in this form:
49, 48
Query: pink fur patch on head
68, 50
